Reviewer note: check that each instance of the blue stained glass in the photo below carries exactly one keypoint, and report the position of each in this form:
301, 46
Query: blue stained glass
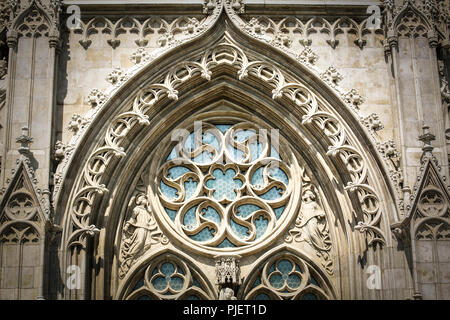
273, 194
167, 269
246, 209
223, 127
172, 155
189, 218
211, 139
224, 184
171, 213
168, 191
144, 297
190, 186
226, 244
271, 269
243, 135
257, 282
192, 298
160, 283
204, 235
239, 230
285, 266
279, 175
279, 211
176, 172
204, 157
211, 214
276, 281
237, 155
261, 226
309, 296
257, 178
262, 296
293, 281
274, 153
139, 284
314, 281
256, 150
176, 283
195, 283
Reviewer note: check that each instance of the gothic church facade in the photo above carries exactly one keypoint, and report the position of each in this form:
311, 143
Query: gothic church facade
224, 149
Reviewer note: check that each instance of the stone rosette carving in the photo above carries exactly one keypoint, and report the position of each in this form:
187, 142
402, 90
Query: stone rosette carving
117, 76
332, 76
96, 98
307, 55
354, 99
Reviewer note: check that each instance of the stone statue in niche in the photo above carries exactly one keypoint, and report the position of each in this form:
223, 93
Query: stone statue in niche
311, 226
226, 294
140, 232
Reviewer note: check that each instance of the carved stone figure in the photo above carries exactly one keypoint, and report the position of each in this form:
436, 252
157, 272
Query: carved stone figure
227, 294
311, 226
140, 232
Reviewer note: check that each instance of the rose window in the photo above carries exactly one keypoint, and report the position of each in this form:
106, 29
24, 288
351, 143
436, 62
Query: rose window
225, 186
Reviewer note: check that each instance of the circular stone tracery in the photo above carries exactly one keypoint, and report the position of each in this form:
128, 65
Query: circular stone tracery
226, 186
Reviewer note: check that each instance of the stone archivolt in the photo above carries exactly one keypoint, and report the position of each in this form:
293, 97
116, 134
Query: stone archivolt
226, 53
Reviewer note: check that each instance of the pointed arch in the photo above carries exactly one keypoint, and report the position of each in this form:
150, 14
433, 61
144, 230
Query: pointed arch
235, 68
145, 279
286, 274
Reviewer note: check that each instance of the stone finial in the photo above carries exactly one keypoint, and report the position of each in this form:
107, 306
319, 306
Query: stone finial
24, 139
426, 138
228, 271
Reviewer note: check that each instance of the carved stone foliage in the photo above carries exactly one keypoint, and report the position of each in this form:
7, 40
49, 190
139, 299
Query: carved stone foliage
312, 113
280, 33
140, 232
167, 277
163, 32
232, 195
311, 226
286, 276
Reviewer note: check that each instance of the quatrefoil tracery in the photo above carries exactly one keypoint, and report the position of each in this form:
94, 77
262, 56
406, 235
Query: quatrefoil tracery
226, 186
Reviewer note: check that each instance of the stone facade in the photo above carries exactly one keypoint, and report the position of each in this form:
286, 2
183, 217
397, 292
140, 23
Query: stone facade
224, 149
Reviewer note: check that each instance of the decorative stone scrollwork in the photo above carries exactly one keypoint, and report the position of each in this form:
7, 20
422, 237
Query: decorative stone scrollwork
311, 226
313, 114
168, 33
167, 277
139, 233
286, 276
209, 199
281, 33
